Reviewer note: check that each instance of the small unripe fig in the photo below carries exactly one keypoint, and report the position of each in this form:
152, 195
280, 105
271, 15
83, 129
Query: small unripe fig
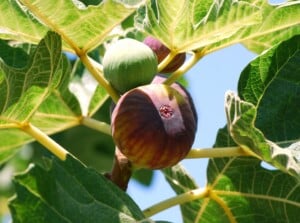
153, 126
162, 52
129, 63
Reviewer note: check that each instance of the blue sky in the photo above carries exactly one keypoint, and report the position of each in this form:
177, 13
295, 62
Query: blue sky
208, 81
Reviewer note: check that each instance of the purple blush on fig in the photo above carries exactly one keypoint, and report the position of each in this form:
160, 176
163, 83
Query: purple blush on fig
153, 126
162, 52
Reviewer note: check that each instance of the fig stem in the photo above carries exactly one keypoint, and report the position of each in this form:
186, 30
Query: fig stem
95, 69
97, 125
218, 152
121, 171
196, 56
45, 140
166, 61
173, 201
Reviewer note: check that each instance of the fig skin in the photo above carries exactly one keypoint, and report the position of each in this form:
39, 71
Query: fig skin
153, 126
162, 52
129, 63
160, 78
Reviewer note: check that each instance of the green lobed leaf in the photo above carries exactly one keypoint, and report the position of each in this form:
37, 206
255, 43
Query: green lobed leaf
189, 25
19, 24
82, 27
182, 182
265, 192
210, 25
250, 193
6, 155
271, 82
99, 97
60, 110
268, 109
280, 22
239, 190
143, 176
11, 141
35, 93
23, 89
14, 57
241, 117
176, 174
91, 147
67, 191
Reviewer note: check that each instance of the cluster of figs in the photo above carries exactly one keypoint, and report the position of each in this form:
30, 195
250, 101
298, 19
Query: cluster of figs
153, 124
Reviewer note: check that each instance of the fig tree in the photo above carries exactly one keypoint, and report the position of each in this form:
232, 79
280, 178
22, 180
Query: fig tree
129, 63
162, 52
153, 126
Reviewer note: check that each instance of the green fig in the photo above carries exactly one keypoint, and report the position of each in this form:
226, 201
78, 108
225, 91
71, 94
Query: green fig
129, 63
153, 126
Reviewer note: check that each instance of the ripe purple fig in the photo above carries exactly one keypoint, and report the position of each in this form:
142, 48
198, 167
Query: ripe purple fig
153, 126
162, 52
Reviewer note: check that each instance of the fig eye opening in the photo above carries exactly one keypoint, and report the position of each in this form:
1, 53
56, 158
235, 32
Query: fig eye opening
166, 111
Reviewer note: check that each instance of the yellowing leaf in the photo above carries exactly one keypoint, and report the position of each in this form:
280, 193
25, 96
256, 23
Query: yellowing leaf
82, 28
18, 24
207, 26
189, 25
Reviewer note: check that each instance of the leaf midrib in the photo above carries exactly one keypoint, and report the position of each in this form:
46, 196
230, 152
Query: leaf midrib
275, 76
250, 37
56, 28
259, 196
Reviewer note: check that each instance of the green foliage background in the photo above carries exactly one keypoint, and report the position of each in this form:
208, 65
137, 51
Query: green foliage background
262, 117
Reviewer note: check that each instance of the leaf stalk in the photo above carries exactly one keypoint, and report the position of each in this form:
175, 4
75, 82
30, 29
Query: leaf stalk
166, 61
97, 125
45, 140
98, 75
217, 152
179, 199
196, 56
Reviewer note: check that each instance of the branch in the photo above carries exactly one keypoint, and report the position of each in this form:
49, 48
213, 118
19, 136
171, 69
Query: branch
166, 61
97, 125
184, 68
97, 74
45, 140
179, 199
217, 152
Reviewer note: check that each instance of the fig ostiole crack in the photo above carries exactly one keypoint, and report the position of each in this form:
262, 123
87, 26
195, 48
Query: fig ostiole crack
166, 111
